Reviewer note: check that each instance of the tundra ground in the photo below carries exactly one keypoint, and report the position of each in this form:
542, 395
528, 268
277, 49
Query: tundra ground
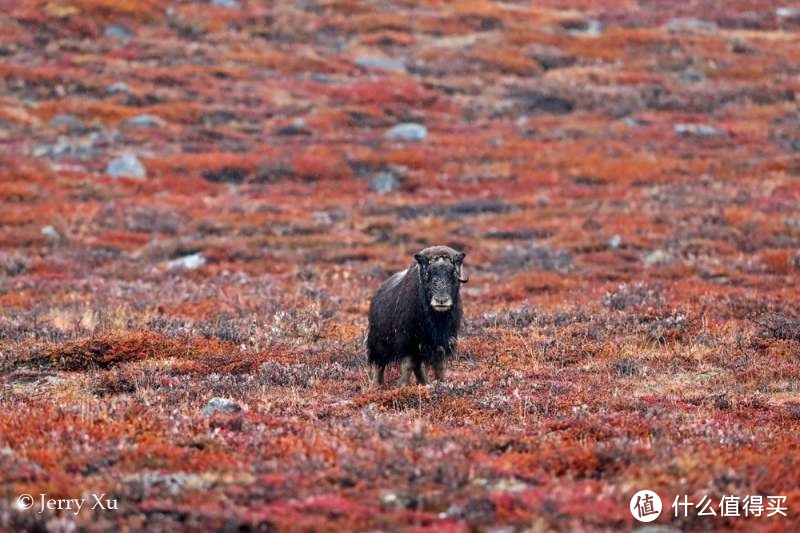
624, 177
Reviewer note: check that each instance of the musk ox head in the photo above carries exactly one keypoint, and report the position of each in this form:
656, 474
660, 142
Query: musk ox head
441, 274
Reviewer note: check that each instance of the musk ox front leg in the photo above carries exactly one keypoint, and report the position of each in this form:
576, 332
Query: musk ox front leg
406, 366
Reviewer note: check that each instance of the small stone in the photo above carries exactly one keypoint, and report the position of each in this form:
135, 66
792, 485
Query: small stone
384, 182
126, 166
614, 242
586, 28
119, 87
788, 12
397, 500
698, 130
658, 257
67, 122
407, 131
681, 25
380, 63
51, 233
145, 121
219, 405
227, 4
508, 485
190, 262
692, 76
118, 31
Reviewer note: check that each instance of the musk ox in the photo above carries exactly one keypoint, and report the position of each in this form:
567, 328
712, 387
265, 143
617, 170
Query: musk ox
415, 315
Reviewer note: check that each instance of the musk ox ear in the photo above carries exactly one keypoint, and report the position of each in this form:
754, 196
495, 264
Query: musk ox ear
458, 258
421, 259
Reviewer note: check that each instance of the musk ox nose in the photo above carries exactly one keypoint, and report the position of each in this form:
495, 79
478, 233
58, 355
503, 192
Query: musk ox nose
441, 303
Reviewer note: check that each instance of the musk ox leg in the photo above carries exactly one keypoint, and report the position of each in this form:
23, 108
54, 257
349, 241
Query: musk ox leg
419, 373
377, 374
439, 369
406, 365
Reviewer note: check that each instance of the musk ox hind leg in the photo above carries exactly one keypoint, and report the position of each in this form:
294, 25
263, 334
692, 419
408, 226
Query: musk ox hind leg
419, 373
377, 374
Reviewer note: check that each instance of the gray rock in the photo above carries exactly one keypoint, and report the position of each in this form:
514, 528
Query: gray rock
119, 87
614, 242
118, 31
67, 122
658, 257
126, 166
51, 233
407, 131
591, 28
397, 499
689, 25
144, 121
190, 262
380, 63
219, 405
692, 76
788, 12
508, 485
698, 130
383, 182
228, 4
80, 148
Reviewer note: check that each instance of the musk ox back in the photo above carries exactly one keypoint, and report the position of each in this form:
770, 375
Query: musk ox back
415, 315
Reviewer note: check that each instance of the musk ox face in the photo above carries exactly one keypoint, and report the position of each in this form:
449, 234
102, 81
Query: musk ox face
441, 277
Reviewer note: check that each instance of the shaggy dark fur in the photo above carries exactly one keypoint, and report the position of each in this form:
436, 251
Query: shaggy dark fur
415, 315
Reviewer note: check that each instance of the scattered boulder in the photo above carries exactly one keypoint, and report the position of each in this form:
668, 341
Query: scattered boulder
219, 405
399, 500
380, 63
692, 76
67, 123
119, 87
658, 257
189, 262
144, 121
51, 233
126, 166
698, 130
297, 127
691, 25
788, 13
118, 31
227, 4
385, 182
83, 147
407, 131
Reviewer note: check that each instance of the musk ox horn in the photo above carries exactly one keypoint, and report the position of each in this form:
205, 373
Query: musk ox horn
461, 277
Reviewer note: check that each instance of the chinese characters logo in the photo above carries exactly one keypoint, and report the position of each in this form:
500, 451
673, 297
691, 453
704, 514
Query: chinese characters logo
645, 506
